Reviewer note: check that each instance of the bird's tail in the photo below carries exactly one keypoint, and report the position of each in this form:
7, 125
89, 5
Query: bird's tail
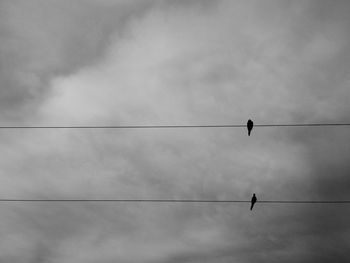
249, 133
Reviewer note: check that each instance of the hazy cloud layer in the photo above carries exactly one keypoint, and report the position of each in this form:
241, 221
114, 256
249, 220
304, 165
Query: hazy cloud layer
174, 62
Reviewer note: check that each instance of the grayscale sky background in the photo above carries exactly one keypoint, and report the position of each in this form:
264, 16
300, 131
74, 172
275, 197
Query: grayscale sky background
100, 62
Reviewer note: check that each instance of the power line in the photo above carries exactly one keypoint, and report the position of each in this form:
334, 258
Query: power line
178, 201
174, 126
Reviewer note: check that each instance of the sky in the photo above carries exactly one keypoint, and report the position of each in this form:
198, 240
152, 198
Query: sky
174, 62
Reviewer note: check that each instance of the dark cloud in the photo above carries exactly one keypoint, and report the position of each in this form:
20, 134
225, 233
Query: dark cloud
41, 40
174, 62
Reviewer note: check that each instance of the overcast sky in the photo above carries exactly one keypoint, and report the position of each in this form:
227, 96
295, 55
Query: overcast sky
135, 62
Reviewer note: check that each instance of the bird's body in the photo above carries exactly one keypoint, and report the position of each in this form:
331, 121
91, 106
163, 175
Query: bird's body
254, 199
250, 125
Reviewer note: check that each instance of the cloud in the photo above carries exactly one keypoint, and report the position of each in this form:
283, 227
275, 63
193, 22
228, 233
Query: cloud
41, 40
175, 62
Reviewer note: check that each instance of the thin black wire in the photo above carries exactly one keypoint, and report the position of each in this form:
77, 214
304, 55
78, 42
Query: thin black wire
173, 126
176, 201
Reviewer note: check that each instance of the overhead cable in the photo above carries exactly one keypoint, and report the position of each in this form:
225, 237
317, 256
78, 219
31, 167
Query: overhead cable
170, 126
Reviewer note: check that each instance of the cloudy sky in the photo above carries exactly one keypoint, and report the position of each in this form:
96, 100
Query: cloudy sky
144, 62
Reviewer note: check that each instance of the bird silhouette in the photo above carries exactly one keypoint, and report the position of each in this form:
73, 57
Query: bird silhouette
254, 199
250, 125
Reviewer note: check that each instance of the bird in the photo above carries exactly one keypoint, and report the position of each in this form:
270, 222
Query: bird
254, 199
250, 125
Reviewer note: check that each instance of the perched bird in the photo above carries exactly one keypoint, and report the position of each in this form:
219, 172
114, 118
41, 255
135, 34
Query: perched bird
250, 125
254, 199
